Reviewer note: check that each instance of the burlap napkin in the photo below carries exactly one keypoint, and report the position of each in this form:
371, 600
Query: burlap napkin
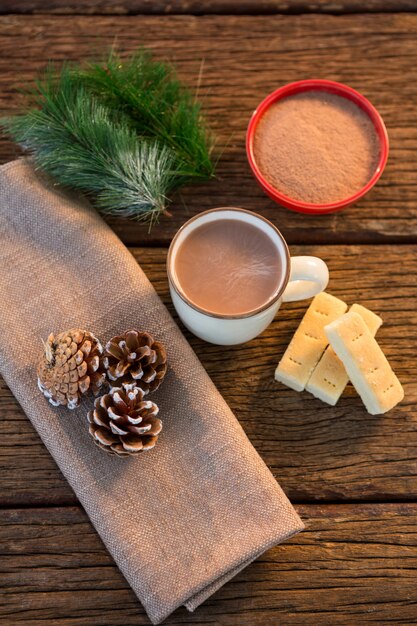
182, 519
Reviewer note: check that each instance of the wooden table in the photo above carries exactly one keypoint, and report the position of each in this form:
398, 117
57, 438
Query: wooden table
352, 477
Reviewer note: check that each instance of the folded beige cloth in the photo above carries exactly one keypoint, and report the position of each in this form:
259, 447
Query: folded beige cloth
185, 517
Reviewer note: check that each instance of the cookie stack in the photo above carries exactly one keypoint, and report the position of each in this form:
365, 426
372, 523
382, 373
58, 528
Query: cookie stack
330, 347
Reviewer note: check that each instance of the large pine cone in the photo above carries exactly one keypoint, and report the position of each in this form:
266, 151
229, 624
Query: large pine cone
135, 357
123, 423
70, 367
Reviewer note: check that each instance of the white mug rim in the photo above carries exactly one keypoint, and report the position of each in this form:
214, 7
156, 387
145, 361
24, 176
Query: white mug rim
264, 307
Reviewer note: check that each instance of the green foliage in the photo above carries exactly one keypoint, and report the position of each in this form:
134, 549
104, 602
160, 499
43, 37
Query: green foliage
157, 105
126, 134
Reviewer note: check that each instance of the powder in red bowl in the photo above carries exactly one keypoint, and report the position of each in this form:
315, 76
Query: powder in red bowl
316, 147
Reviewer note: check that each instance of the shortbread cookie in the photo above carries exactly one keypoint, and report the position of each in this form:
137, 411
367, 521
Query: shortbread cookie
308, 342
329, 377
365, 363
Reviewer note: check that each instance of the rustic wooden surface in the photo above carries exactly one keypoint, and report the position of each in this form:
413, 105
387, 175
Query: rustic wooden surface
351, 565
309, 456
244, 59
204, 7
353, 477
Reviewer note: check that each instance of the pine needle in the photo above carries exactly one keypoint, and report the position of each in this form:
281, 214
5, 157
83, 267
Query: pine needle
126, 134
158, 105
73, 138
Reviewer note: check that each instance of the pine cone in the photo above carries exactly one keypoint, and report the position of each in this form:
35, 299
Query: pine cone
135, 357
123, 423
70, 366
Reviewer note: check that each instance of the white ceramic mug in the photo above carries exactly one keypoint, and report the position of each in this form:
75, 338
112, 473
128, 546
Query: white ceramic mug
303, 277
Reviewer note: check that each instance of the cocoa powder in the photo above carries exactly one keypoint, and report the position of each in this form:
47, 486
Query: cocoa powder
316, 147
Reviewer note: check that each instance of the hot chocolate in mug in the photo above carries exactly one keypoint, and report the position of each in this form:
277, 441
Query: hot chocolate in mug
229, 269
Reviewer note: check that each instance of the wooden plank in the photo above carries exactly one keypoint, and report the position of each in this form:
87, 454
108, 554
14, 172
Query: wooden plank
316, 452
197, 7
353, 564
363, 51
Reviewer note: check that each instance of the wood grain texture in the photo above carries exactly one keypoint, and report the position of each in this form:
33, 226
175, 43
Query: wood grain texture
203, 7
355, 563
244, 59
351, 565
317, 452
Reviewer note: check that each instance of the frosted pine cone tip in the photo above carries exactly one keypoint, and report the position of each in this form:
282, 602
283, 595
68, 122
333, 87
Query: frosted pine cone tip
123, 423
135, 357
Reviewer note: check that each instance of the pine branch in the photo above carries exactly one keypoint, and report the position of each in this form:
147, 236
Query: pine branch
157, 105
127, 133
84, 145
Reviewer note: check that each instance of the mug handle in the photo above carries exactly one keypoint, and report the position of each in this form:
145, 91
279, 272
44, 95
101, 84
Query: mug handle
309, 276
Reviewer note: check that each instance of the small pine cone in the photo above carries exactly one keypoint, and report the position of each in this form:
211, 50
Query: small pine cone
123, 423
70, 367
135, 357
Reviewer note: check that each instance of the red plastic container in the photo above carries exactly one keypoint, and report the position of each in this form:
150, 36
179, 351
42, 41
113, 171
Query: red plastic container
340, 90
